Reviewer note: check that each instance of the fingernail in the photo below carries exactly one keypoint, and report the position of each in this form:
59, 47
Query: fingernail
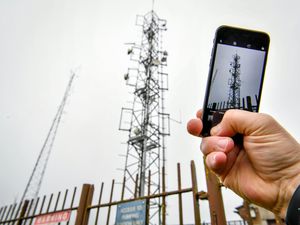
222, 143
215, 130
211, 161
202, 145
214, 160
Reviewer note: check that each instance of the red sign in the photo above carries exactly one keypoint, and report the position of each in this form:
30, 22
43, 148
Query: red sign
51, 218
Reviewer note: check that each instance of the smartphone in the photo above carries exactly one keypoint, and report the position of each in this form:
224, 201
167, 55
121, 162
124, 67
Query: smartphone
236, 73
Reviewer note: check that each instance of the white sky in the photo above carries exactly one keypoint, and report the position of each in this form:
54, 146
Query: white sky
41, 41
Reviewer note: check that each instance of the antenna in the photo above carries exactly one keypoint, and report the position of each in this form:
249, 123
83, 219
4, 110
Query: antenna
35, 181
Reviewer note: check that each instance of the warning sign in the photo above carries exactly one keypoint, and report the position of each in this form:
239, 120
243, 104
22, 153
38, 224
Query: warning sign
131, 213
52, 218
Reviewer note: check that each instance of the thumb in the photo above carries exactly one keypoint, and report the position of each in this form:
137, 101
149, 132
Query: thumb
243, 122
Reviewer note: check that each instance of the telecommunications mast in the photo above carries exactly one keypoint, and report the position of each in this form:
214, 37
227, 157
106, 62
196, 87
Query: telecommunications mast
35, 181
234, 83
145, 119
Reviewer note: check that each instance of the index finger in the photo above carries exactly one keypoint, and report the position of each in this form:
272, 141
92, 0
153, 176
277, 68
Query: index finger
246, 123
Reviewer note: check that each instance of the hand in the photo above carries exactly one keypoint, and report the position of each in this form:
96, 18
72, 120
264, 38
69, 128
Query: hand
265, 169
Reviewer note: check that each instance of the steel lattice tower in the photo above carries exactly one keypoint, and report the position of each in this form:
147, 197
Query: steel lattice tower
234, 83
35, 181
145, 120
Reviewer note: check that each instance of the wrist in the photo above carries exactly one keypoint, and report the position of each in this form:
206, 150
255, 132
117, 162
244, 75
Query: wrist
293, 210
286, 194
289, 184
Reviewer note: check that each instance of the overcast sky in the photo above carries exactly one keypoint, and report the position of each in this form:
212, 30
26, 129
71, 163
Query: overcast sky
42, 41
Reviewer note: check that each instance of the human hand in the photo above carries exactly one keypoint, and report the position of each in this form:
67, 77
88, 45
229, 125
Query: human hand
265, 169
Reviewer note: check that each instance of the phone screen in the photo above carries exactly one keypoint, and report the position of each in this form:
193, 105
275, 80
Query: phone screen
236, 74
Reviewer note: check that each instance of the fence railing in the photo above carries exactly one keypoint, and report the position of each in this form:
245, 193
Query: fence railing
246, 104
25, 212
86, 208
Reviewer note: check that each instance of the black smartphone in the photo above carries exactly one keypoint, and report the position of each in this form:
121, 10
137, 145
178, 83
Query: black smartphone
236, 73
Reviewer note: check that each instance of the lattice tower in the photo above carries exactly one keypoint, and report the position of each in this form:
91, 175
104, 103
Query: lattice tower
145, 120
234, 83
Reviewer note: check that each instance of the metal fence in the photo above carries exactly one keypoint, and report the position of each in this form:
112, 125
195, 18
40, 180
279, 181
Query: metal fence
89, 208
25, 212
